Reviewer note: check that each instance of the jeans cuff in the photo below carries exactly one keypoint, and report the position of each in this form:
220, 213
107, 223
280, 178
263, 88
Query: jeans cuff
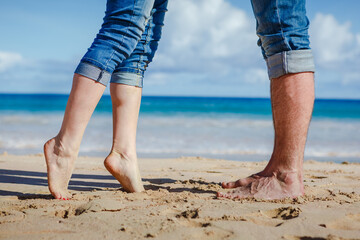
127, 78
93, 72
294, 61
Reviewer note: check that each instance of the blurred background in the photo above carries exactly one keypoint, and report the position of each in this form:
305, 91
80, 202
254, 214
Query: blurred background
208, 49
206, 44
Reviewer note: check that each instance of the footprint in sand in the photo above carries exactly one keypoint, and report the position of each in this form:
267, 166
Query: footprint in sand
11, 216
189, 214
274, 217
185, 218
205, 229
98, 205
284, 213
91, 206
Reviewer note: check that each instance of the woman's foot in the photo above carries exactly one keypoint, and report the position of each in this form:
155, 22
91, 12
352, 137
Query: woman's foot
273, 185
59, 169
125, 169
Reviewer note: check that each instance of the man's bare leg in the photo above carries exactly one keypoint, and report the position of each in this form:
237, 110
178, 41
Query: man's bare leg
122, 160
62, 150
292, 98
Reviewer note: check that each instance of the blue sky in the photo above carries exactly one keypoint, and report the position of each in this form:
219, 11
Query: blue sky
212, 53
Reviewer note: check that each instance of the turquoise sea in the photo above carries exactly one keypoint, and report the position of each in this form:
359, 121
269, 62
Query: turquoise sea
230, 128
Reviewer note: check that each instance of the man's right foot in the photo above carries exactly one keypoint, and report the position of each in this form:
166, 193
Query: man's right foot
273, 185
125, 170
59, 170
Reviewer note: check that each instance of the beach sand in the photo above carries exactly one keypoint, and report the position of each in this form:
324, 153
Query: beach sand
179, 202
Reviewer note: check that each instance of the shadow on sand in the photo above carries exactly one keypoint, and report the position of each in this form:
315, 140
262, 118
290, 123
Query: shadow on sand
81, 182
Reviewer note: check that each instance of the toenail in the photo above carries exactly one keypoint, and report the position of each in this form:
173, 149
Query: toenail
63, 198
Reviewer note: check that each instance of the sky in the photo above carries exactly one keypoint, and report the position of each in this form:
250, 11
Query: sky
208, 47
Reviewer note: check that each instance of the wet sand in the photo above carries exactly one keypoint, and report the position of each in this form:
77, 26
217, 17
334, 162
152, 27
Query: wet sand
179, 202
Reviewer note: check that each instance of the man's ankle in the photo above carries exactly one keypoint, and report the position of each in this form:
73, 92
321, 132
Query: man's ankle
287, 164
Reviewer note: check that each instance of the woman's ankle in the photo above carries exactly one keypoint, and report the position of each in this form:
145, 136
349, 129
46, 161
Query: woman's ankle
63, 148
124, 153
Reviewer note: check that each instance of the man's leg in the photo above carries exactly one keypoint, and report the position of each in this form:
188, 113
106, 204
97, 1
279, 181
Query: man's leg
116, 40
292, 98
282, 28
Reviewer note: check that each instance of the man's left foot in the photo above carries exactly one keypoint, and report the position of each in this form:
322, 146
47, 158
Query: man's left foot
274, 185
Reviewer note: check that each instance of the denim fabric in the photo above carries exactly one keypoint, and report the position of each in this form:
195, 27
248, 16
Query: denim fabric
131, 70
282, 28
126, 42
128, 39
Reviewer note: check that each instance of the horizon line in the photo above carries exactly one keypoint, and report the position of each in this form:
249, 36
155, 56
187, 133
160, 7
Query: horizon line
182, 96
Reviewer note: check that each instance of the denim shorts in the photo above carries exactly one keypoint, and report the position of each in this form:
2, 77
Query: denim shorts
129, 36
126, 42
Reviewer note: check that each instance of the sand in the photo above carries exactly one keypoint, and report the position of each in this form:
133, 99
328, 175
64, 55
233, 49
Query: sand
179, 203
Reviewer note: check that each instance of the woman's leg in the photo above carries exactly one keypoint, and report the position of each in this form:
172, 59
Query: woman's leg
62, 150
123, 26
126, 87
122, 160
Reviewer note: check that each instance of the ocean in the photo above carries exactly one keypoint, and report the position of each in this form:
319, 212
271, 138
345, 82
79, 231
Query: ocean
228, 128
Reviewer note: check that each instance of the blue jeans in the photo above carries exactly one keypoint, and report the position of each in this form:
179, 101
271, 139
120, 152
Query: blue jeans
282, 28
129, 36
126, 42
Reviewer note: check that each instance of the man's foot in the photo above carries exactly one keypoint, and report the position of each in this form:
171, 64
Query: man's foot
59, 169
125, 170
241, 182
274, 185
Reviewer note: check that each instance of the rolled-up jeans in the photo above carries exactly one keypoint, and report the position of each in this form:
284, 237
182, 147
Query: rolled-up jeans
126, 42
129, 36
282, 28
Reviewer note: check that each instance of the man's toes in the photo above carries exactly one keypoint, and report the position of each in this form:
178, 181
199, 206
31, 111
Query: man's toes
231, 184
222, 195
219, 194
237, 183
226, 184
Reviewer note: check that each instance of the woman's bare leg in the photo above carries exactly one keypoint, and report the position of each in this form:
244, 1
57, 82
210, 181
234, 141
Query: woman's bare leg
62, 150
122, 160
